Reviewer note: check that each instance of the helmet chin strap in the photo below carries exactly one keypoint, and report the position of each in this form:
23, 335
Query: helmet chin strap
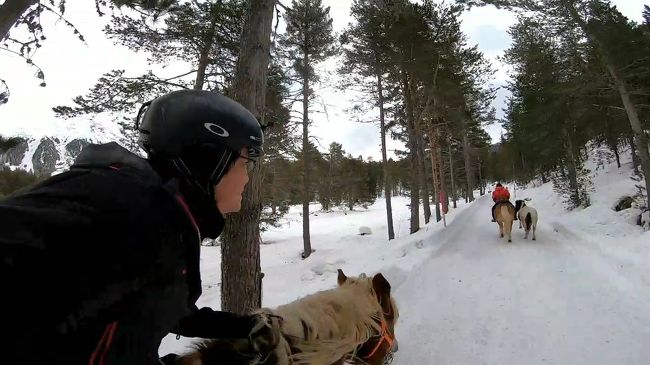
217, 173
187, 174
219, 169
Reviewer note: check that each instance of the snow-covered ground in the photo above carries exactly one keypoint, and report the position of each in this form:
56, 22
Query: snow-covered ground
337, 244
580, 294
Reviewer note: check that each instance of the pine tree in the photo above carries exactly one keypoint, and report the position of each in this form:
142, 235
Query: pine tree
207, 33
12, 181
27, 15
593, 19
550, 118
331, 179
406, 32
366, 55
241, 277
308, 41
279, 143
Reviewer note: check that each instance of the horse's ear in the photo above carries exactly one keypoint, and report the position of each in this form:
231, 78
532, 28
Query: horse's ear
341, 278
381, 285
382, 289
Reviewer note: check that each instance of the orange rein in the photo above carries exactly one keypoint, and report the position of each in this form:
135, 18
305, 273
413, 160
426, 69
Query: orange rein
385, 336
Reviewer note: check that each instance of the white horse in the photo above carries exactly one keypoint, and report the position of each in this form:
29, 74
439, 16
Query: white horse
527, 216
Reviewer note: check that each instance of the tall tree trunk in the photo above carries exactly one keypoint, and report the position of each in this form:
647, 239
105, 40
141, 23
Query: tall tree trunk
441, 169
274, 192
204, 57
635, 156
640, 138
413, 153
422, 178
480, 178
415, 192
435, 170
436, 196
618, 157
306, 238
572, 168
200, 71
10, 11
612, 142
451, 174
468, 168
384, 159
241, 289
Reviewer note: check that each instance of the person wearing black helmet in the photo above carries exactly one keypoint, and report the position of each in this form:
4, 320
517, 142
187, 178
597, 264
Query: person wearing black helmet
100, 262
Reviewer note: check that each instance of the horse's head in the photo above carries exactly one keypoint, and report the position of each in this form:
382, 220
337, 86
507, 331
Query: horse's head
380, 347
519, 204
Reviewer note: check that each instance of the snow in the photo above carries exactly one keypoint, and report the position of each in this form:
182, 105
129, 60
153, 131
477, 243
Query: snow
102, 128
27, 163
337, 244
363, 230
577, 295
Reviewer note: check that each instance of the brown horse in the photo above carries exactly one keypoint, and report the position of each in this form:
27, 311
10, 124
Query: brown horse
352, 323
505, 215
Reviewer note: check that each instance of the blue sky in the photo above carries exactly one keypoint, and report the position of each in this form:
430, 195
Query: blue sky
72, 67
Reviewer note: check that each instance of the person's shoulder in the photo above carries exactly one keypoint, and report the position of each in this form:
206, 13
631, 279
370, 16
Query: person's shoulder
106, 191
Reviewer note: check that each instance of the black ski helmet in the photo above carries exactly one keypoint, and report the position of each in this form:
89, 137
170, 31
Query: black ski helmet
199, 132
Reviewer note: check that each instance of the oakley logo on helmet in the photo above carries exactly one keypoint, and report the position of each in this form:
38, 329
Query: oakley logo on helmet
216, 129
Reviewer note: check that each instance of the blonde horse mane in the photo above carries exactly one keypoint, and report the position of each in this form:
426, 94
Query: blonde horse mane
324, 327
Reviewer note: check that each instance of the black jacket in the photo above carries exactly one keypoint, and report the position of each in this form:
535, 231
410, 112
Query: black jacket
99, 263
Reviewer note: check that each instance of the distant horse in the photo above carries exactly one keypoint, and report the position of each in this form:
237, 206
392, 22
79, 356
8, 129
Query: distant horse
505, 214
527, 215
352, 323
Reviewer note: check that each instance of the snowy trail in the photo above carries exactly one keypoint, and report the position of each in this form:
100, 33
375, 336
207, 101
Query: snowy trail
557, 300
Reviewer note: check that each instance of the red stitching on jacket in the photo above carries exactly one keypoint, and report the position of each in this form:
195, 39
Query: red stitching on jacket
108, 342
189, 214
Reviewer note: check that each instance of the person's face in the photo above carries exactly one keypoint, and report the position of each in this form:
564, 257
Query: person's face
228, 192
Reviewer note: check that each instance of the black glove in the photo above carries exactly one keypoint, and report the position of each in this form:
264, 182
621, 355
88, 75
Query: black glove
265, 331
208, 323
259, 346
169, 359
253, 336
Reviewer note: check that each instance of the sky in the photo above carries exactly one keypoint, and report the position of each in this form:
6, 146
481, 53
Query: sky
72, 67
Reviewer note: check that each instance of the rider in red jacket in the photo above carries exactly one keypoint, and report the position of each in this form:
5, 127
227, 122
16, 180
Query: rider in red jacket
499, 194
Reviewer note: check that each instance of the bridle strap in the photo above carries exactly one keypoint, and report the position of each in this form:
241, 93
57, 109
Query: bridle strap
385, 336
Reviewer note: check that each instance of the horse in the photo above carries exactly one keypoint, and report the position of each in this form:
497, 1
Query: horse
527, 215
351, 323
505, 214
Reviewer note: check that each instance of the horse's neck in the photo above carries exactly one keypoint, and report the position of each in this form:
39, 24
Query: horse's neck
330, 314
325, 326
